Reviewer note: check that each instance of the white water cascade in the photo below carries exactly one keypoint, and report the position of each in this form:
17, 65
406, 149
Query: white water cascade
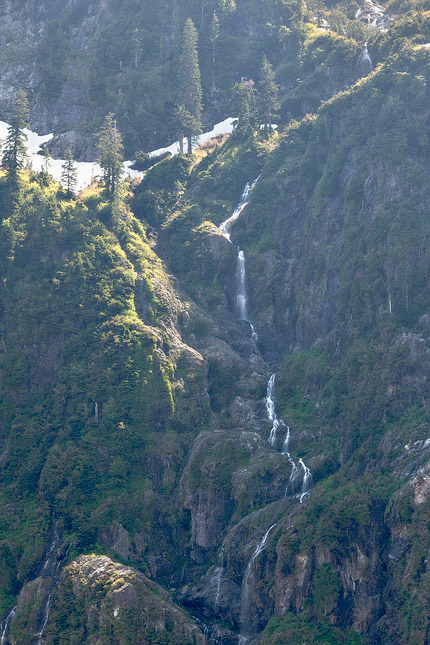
292, 484
307, 481
365, 59
45, 621
294, 475
246, 626
226, 230
270, 409
5, 626
219, 572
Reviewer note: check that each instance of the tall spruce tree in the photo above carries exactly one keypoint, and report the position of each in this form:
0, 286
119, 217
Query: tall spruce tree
245, 106
15, 149
189, 103
268, 95
110, 149
214, 36
69, 174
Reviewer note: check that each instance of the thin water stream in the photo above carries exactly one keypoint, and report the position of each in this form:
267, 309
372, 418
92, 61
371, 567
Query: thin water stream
226, 229
248, 629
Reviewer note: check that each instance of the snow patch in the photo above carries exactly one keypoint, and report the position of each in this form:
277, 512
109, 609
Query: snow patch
219, 130
88, 171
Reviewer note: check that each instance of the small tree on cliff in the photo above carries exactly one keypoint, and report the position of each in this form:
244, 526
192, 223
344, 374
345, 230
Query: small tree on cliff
69, 174
15, 149
189, 99
110, 149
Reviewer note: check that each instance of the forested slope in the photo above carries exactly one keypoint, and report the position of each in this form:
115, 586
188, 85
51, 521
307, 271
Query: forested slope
171, 474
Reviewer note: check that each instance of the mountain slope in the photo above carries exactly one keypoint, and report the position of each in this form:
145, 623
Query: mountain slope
277, 488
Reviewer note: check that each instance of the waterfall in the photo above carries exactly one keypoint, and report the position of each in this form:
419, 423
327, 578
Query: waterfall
294, 475
270, 409
226, 230
365, 60
219, 572
5, 626
291, 487
45, 621
50, 571
241, 299
246, 626
307, 481
227, 226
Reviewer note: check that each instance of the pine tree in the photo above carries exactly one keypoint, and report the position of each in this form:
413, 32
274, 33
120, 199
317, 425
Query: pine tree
15, 149
110, 148
268, 95
46, 161
244, 104
214, 36
189, 104
69, 174
137, 45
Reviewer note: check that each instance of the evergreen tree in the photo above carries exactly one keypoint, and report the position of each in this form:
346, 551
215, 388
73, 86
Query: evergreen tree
46, 161
214, 36
244, 104
15, 149
268, 95
189, 105
110, 148
69, 174
227, 6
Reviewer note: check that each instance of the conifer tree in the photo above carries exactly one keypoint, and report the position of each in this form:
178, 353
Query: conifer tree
214, 36
110, 148
15, 149
69, 174
189, 104
46, 161
268, 95
244, 104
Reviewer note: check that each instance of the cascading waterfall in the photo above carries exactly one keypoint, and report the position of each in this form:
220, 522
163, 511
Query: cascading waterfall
247, 629
307, 481
270, 409
51, 569
226, 229
241, 299
219, 572
5, 626
365, 59
294, 475
45, 621
276, 424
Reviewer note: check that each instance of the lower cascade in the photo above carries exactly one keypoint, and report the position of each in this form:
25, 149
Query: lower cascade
48, 578
276, 424
247, 627
365, 60
5, 625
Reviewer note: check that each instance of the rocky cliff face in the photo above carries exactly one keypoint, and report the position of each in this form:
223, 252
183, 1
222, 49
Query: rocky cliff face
138, 420
78, 60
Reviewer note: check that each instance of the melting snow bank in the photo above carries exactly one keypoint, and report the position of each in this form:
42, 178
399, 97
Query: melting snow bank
88, 171
224, 127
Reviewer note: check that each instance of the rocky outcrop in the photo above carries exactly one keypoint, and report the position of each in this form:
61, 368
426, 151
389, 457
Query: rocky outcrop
120, 601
